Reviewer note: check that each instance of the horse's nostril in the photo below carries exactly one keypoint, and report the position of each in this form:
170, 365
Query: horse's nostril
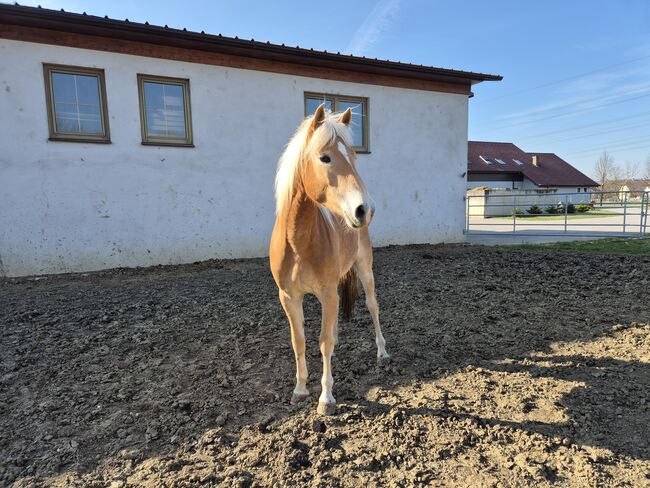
360, 212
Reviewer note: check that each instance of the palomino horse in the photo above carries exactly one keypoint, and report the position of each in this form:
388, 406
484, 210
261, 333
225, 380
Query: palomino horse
321, 240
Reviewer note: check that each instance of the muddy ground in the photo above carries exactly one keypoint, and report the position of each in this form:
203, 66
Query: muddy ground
510, 368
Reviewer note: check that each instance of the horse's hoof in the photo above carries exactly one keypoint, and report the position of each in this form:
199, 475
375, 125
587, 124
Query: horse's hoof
383, 358
297, 398
326, 408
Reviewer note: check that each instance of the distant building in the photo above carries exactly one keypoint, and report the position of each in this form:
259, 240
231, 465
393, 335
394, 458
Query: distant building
634, 189
504, 165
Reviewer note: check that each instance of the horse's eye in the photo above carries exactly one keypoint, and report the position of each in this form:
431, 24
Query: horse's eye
325, 159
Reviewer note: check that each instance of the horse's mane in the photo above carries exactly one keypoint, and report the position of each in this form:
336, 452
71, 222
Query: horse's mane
288, 172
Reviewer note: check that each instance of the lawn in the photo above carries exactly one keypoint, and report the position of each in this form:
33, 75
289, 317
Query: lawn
623, 246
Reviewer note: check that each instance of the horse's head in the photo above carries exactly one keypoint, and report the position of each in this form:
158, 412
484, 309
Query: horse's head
329, 175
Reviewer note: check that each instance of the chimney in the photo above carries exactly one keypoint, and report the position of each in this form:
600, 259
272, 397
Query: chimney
535, 163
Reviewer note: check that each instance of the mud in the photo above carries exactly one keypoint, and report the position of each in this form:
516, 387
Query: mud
509, 368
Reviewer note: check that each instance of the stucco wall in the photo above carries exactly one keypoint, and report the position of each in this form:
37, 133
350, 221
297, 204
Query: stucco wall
76, 207
498, 202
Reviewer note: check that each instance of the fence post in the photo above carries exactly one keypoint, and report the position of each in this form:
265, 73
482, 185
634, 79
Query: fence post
624, 211
566, 212
514, 213
644, 214
467, 199
643, 196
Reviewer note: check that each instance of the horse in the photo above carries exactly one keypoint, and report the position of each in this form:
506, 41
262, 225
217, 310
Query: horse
320, 240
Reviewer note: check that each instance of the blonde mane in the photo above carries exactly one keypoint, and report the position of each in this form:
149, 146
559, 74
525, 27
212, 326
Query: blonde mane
288, 172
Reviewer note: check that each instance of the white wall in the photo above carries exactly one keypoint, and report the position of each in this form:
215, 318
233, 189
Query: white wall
494, 184
75, 207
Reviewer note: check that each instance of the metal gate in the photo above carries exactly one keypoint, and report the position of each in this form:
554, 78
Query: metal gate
551, 213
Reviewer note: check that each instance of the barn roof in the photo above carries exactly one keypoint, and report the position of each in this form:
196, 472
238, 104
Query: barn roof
69, 24
505, 157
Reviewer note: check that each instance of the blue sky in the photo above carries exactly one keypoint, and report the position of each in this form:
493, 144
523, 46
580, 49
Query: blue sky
576, 73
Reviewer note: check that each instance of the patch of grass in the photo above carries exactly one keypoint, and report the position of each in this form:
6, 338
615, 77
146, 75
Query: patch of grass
623, 246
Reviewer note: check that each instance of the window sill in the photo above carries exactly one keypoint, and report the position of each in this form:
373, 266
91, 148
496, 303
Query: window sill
362, 152
78, 139
167, 144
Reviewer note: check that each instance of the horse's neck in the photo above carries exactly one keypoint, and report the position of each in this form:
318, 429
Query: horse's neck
304, 222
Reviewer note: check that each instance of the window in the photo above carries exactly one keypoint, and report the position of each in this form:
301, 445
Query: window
487, 161
165, 115
339, 103
501, 161
517, 162
76, 104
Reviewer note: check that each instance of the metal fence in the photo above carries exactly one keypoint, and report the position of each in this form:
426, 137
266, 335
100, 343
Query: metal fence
550, 213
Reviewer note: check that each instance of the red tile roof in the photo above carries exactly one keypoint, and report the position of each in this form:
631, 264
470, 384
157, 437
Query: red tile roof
551, 169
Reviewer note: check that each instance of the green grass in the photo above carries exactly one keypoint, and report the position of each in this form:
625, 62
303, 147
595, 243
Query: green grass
544, 217
623, 246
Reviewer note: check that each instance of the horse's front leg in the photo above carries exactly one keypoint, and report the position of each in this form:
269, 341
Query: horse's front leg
330, 310
292, 305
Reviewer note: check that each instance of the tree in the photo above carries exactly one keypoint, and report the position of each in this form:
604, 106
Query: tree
604, 169
631, 170
647, 168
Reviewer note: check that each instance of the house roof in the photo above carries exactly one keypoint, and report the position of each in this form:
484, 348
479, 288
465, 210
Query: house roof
551, 169
635, 185
73, 23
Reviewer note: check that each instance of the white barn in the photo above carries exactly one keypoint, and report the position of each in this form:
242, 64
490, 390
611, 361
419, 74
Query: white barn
127, 144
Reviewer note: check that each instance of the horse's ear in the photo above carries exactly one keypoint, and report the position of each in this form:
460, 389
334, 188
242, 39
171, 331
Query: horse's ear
346, 117
317, 120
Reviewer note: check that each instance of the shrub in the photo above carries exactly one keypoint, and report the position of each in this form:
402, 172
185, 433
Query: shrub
583, 207
571, 208
517, 212
535, 210
551, 209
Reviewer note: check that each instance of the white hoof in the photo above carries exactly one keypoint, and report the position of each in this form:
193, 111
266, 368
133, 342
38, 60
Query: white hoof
383, 357
326, 408
297, 398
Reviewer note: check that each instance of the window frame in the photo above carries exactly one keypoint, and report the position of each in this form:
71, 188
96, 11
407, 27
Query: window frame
54, 134
188, 141
336, 99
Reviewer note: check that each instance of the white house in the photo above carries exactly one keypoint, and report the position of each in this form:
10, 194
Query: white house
127, 144
505, 166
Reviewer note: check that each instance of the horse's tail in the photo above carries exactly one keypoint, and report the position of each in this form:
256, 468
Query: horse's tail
349, 293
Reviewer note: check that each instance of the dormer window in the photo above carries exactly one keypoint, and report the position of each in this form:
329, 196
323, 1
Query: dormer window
487, 161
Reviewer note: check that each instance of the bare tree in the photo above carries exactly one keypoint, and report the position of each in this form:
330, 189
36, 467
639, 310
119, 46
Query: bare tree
603, 169
647, 168
631, 170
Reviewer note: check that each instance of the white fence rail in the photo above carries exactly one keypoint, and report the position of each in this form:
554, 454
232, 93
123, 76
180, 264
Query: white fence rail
544, 213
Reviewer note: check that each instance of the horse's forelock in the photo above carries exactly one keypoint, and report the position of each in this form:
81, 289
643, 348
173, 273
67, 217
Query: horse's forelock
286, 175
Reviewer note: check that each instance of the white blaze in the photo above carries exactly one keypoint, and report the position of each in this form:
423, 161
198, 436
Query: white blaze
344, 151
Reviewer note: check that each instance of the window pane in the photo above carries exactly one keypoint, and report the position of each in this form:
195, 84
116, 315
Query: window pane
313, 103
164, 105
358, 119
77, 105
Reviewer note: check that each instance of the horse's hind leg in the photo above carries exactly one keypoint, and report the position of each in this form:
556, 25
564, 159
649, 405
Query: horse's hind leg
365, 274
293, 307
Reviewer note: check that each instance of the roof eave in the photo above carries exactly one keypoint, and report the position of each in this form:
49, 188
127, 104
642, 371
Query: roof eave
118, 29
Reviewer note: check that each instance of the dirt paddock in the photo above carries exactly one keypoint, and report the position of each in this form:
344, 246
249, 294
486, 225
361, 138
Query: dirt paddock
510, 368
